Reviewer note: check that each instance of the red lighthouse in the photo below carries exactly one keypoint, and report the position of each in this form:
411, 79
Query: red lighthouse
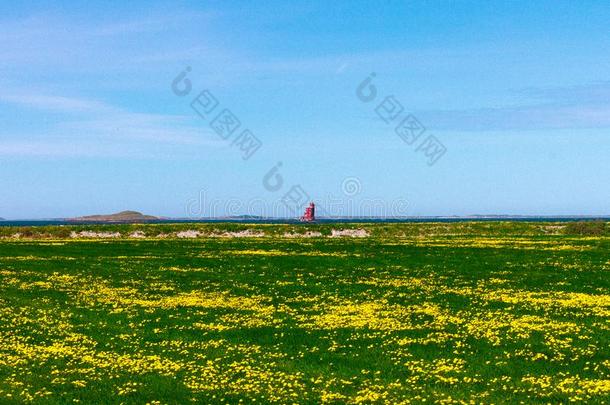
310, 213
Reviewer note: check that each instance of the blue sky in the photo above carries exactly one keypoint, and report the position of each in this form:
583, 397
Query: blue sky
517, 94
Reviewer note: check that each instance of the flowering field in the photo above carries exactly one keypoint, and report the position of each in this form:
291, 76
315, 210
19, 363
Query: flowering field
359, 313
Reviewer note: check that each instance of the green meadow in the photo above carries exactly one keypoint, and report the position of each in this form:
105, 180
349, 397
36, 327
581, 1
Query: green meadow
477, 312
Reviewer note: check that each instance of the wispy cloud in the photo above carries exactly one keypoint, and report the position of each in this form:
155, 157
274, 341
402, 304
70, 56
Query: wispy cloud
156, 23
518, 118
64, 148
574, 107
598, 92
149, 128
57, 103
78, 49
96, 128
59, 42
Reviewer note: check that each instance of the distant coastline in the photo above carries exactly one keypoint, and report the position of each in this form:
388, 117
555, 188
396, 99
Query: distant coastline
147, 219
119, 217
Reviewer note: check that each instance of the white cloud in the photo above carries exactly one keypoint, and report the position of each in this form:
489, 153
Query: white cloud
96, 128
56, 103
54, 148
573, 107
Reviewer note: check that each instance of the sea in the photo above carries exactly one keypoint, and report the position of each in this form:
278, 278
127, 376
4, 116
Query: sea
61, 222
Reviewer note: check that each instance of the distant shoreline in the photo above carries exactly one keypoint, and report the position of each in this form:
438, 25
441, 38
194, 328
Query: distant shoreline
507, 218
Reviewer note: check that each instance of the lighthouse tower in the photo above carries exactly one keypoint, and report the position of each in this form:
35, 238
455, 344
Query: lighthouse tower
310, 213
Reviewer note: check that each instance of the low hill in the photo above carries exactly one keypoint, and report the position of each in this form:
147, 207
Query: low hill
123, 216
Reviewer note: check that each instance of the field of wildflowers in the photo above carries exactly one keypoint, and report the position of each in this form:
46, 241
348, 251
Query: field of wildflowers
389, 313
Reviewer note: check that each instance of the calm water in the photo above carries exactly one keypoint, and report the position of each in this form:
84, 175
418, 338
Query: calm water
323, 220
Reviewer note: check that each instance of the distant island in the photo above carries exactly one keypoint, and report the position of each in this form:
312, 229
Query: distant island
244, 217
123, 216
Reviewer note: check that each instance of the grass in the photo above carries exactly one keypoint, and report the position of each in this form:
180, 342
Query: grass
485, 312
